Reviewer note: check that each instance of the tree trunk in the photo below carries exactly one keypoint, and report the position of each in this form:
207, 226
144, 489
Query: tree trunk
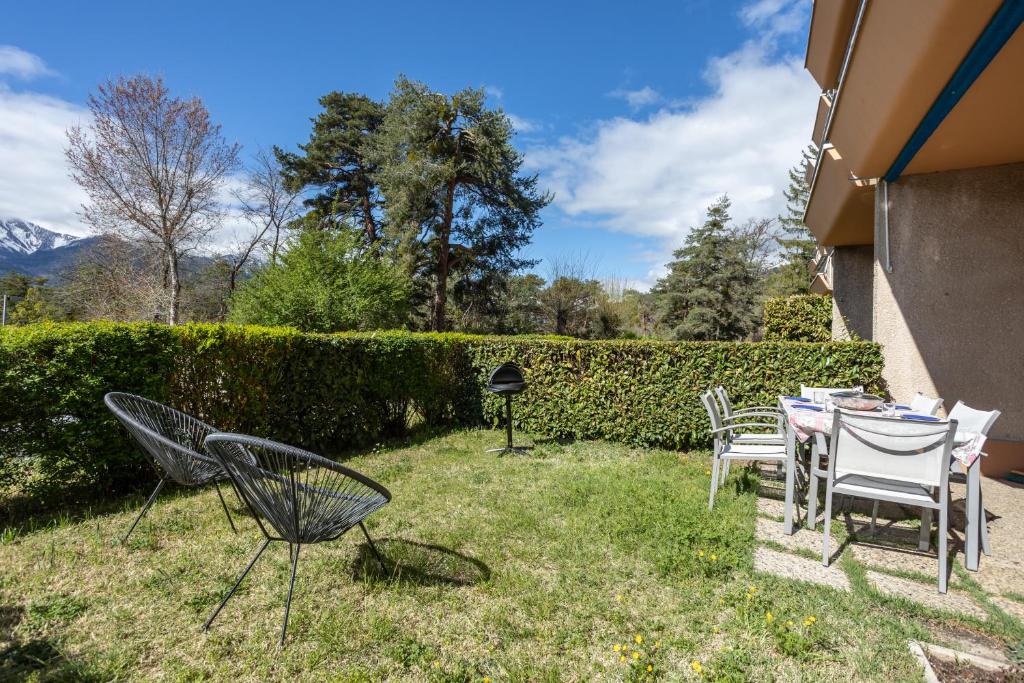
443, 238
174, 285
369, 225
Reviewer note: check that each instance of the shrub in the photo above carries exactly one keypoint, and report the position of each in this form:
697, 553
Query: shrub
332, 393
806, 317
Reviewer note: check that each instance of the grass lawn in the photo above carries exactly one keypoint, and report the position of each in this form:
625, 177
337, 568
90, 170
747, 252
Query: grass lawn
581, 561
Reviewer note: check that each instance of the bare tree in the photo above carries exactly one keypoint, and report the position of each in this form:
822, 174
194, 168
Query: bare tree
115, 280
268, 206
152, 166
758, 240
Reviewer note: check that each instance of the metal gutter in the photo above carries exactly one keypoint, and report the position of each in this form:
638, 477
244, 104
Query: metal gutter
1000, 28
847, 57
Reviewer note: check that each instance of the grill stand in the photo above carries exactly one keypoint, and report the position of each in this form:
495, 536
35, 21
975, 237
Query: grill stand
508, 447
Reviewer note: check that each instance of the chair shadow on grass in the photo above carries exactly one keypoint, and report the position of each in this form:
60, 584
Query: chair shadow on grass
414, 563
39, 657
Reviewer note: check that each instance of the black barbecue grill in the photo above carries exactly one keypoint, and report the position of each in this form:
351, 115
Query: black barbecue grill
507, 380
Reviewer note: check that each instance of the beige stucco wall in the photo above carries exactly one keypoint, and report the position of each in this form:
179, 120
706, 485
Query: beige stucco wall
852, 281
950, 315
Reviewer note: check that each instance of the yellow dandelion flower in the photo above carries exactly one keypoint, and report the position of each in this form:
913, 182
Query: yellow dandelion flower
716, 630
769, 617
617, 647
437, 664
487, 679
636, 655
650, 668
695, 665
618, 598
622, 658
714, 557
700, 553
813, 618
789, 623
638, 639
707, 471
657, 643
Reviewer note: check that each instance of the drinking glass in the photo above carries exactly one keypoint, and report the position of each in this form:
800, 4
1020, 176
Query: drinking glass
889, 409
819, 397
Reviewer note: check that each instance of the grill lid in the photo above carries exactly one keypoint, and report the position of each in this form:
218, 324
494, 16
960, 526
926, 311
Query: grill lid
507, 378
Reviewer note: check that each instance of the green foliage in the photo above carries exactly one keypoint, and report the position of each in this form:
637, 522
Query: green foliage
332, 393
711, 289
326, 281
806, 318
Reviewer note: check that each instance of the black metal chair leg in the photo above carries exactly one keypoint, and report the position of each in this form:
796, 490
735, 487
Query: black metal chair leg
373, 548
225, 506
231, 592
145, 509
291, 587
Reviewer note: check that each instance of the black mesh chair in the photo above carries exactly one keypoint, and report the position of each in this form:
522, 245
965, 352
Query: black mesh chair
296, 497
172, 440
507, 380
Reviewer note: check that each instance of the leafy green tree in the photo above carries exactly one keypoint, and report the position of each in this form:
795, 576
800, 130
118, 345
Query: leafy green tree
37, 305
711, 289
453, 188
797, 244
334, 163
326, 281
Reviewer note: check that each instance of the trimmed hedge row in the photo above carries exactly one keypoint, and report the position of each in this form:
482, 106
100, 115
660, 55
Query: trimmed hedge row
806, 317
332, 393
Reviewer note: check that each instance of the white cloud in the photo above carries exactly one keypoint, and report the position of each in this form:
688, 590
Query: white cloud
494, 91
20, 64
774, 18
655, 176
638, 99
34, 182
523, 125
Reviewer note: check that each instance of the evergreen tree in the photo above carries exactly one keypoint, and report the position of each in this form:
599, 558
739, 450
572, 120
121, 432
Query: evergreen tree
451, 180
326, 281
797, 244
335, 165
711, 289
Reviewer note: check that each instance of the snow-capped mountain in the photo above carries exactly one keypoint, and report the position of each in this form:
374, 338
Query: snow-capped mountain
22, 237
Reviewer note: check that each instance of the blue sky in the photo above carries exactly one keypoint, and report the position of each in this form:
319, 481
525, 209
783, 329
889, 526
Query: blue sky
636, 114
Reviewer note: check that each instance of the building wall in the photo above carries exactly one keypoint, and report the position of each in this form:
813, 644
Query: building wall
852, 280
950, 315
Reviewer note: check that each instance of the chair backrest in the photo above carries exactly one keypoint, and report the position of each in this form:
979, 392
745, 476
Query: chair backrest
709, 405
303, 497
891, 448
171, 438
971, 420
723, 399
926, 405
808, 392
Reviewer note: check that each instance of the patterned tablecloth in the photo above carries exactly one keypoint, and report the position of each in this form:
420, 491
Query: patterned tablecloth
967, 445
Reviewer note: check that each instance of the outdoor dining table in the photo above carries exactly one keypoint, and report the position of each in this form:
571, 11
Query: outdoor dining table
803, 422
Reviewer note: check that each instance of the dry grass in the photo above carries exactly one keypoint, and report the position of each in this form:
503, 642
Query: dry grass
523, 568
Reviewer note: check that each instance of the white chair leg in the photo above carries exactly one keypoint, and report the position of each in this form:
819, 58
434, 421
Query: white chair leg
725, 473
943, 533
874, 517
812, 502
827, 524
714, 483
986, 546
925, 540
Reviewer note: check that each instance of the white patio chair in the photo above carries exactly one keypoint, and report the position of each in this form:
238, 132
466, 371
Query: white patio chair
890, 459
725, 450
808, 392
926, 405
766, 417
979, 422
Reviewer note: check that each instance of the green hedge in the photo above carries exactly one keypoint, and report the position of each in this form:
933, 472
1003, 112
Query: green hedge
805, 318
333, 393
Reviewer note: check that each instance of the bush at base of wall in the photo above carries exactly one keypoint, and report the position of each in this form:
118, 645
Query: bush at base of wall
331, 393
807, 317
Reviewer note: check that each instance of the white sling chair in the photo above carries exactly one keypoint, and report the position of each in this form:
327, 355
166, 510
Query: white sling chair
764, 416
926, 405
726, 450
979, 422
890, 459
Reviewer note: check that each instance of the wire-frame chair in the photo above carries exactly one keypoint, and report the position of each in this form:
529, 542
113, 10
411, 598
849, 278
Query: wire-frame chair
295, 496
173, 442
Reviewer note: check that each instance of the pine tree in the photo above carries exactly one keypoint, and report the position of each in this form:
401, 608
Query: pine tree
797, 244
711, 289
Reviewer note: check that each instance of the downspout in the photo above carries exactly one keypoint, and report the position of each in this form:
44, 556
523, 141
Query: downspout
826, 132
883, 190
